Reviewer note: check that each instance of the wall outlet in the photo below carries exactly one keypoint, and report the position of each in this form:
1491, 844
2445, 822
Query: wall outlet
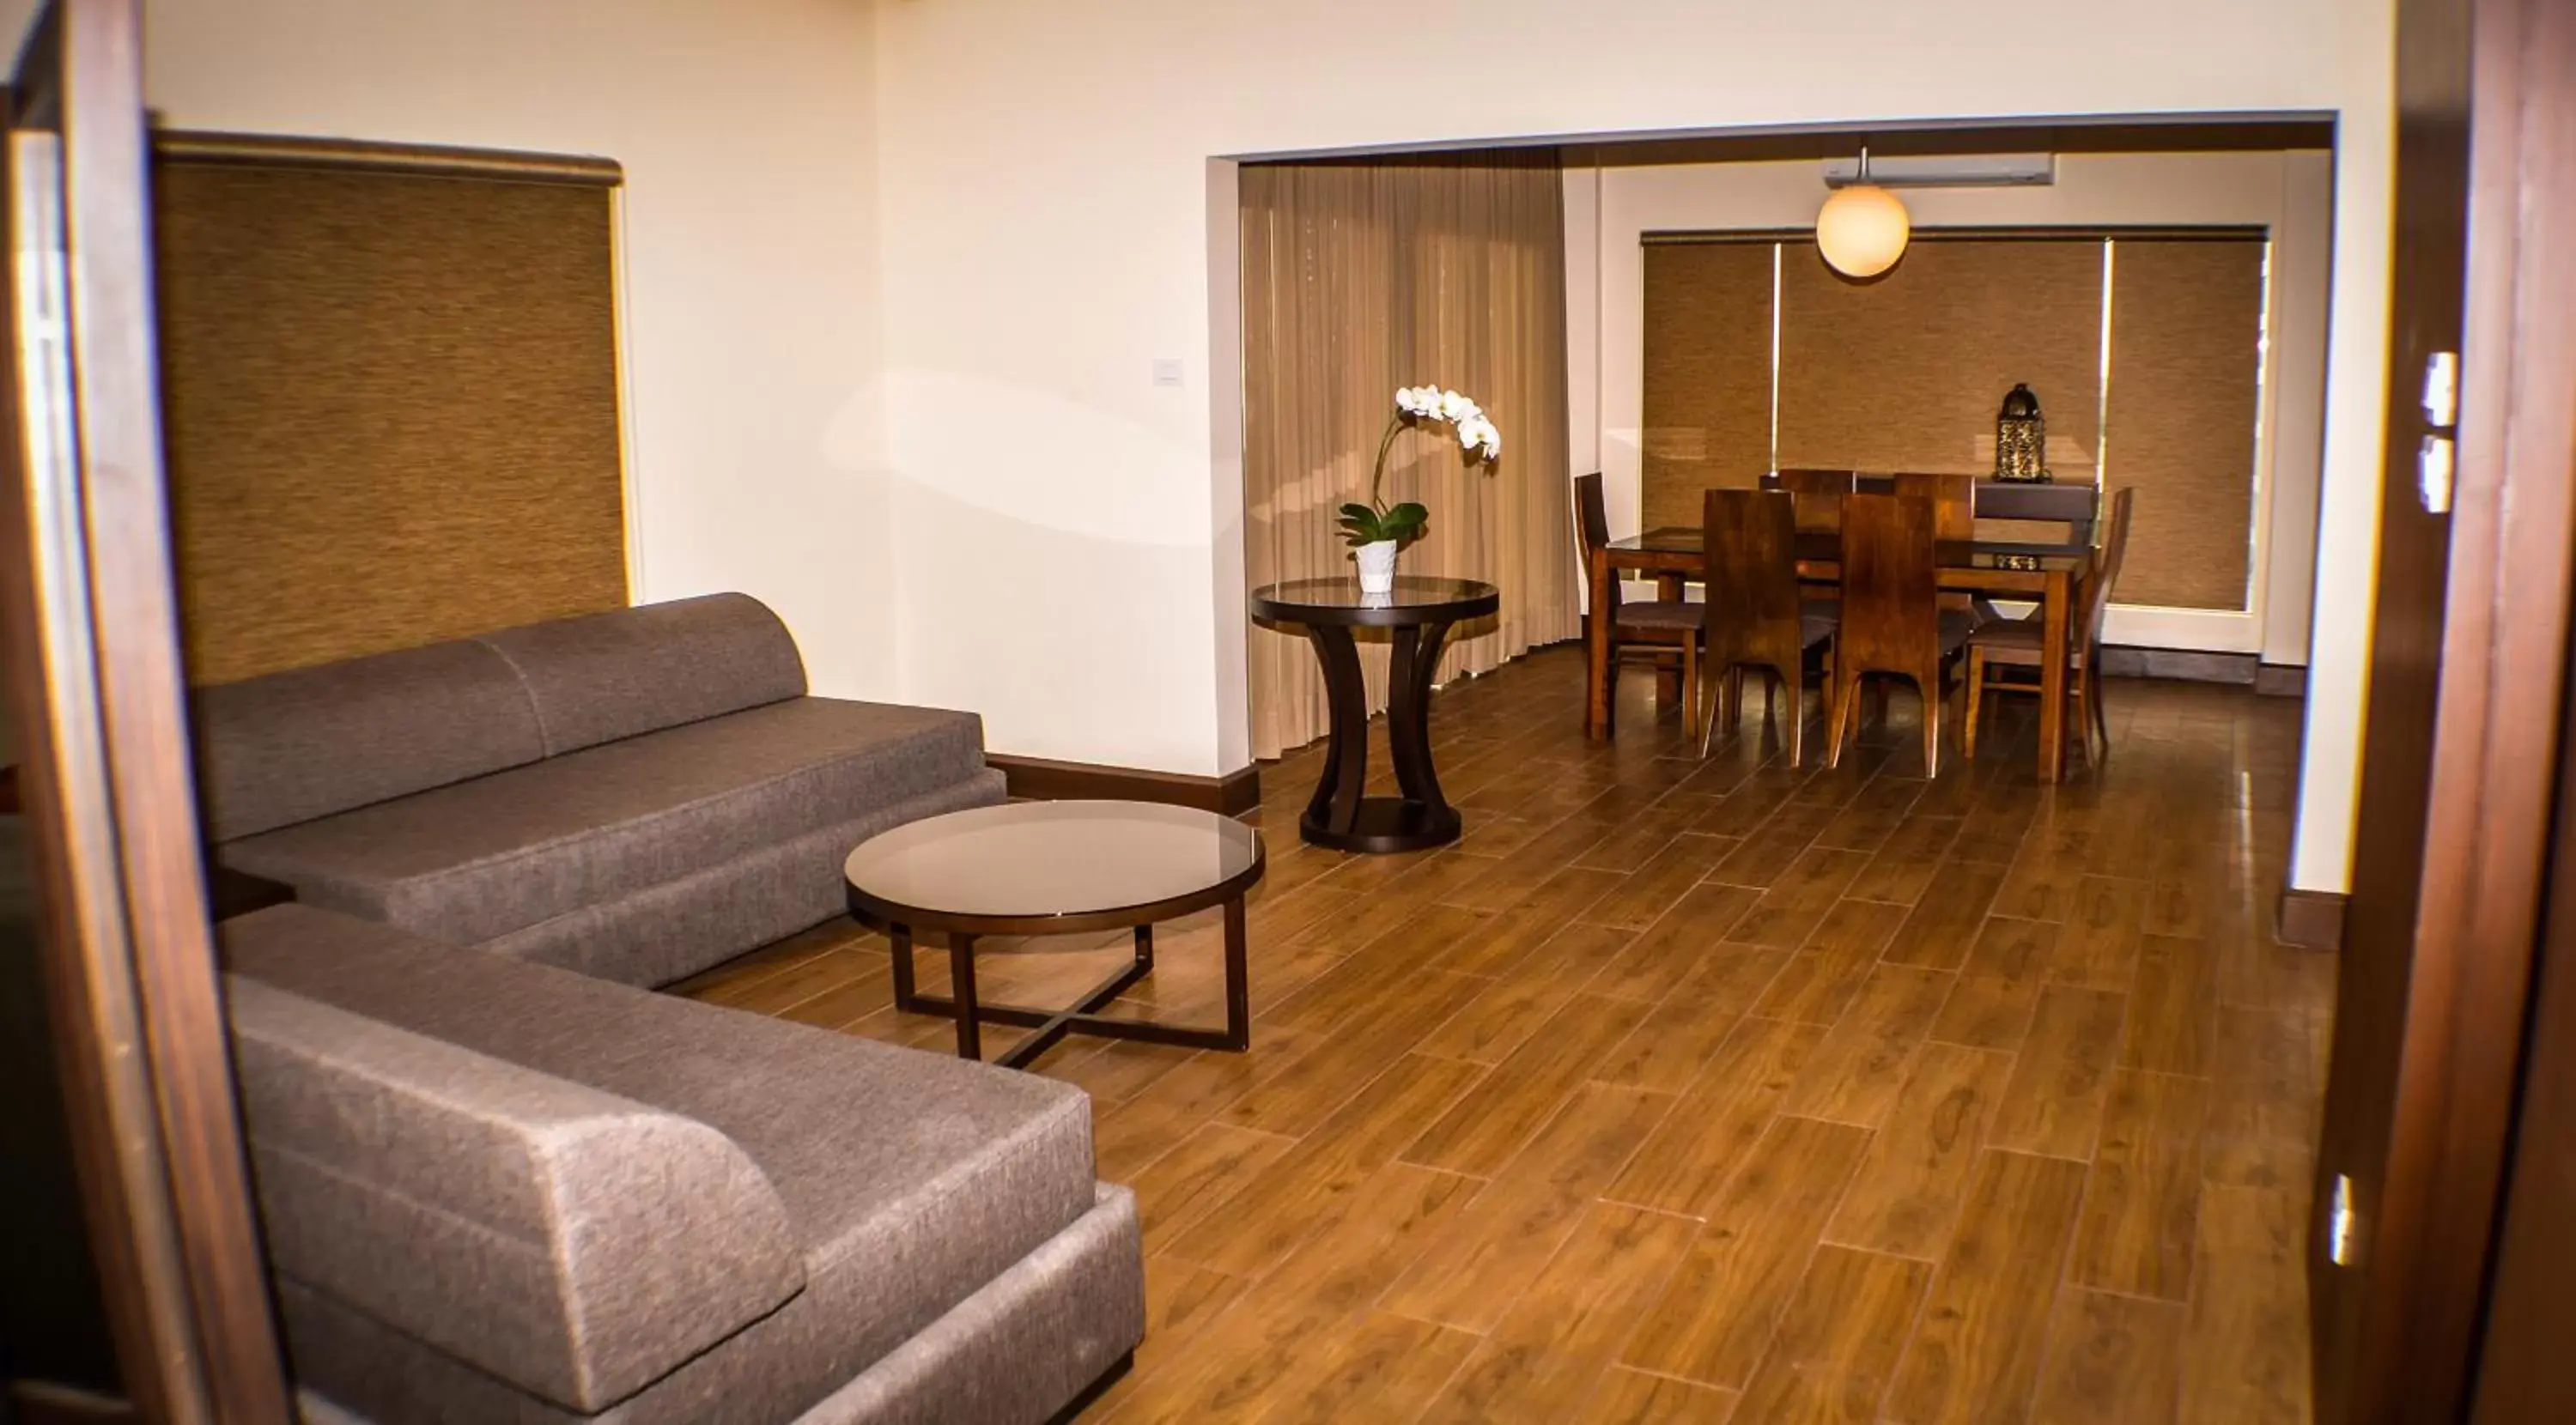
1167, 371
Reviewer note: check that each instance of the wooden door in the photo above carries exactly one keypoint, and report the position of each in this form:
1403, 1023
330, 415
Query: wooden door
117, 918
2468, 664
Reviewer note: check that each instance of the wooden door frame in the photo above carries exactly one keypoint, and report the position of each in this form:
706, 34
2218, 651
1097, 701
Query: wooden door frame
2504, 654
93, 664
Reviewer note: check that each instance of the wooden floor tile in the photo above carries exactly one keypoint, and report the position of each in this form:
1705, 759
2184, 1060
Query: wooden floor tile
2245, 1354
1503, 1015
2098, 945
2267, 1092
1384, 1367
1205, 1168
1666, 953
2173, 1010
1947, 917
1858, 1068
2142, 1210
2054, 1103
1470, 1274
1820, 981
1790, 911
2112, 1360
1686, 1164
1908, 1192
1975, 1358
1510, 936
1838, 1343
1907, 864
1677, 1038
1629, 1397
1656, 886
1715, 1322
1490, 1122
1248, 1232
1988, 1012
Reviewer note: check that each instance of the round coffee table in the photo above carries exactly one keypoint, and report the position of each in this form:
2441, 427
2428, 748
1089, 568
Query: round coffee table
1055, 868
1418, 612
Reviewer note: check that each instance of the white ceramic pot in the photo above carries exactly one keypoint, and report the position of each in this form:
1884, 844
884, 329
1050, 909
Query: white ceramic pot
1377, 567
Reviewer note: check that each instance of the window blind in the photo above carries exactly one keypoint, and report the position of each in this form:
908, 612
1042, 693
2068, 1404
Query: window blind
1707, 374
1905, 372
2183, 397
390, 400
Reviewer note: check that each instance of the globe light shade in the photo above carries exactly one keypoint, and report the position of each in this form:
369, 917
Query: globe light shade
1862, 230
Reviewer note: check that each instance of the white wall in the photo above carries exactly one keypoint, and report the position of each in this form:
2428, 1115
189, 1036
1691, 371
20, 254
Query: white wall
1044, 194
748, 241
2286, 193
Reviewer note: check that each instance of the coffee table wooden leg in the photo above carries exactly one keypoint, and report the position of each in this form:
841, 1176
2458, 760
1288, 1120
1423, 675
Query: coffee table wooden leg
961, 970
905, 998
1238, 990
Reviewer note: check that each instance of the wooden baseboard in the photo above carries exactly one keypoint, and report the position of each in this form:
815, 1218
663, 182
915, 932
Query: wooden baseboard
2311, 920
2281, 680
2181, 664
1044, 779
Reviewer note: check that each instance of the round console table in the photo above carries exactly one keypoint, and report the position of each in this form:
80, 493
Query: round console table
1418, 614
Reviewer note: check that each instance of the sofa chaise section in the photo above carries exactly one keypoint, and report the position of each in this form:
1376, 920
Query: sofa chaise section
636, 795
917, 1238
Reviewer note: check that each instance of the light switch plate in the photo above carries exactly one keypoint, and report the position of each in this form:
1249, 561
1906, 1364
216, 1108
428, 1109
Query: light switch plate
1167, 371
2442, 389
2436, 465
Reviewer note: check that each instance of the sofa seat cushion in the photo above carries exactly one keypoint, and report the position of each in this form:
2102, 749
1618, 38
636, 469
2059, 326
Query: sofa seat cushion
909, 1179
477, 860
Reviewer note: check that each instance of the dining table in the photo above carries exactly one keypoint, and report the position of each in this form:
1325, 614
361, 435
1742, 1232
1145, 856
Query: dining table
2043, 573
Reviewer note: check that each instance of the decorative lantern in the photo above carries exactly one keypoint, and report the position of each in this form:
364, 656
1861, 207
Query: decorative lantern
2021, 438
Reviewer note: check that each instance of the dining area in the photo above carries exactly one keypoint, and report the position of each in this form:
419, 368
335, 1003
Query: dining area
1844, 582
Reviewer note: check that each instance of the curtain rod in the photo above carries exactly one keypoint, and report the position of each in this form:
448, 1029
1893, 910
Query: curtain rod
419, 160
2214, 232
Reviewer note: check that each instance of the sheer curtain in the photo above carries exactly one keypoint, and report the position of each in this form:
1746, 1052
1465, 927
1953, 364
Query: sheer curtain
1362, 276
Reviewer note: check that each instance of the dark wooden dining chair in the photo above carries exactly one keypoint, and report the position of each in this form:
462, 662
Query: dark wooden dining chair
1891, 613
1953, 497
1656, 630
2015, 643
1819, 494
1754, 616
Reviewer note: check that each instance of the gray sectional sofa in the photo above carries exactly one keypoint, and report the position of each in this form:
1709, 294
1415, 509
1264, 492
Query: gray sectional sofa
635, 795
502, 1182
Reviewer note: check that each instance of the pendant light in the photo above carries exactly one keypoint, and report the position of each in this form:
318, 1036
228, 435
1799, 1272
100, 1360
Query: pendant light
1862, 228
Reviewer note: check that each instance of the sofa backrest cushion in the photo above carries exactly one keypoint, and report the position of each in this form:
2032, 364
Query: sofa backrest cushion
292, 746
605, 676
574, 1243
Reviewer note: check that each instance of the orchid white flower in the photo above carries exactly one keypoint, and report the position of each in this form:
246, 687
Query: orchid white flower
1454, 407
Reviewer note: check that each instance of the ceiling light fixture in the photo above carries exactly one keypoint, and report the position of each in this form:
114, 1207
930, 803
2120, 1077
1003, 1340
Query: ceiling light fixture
1862, 229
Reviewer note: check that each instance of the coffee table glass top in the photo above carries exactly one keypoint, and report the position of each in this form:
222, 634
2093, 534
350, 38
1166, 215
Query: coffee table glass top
1043, 859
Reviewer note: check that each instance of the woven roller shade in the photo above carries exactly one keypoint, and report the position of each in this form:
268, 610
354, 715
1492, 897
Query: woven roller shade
1707, 374
2186, 354
1906, 372
391, 407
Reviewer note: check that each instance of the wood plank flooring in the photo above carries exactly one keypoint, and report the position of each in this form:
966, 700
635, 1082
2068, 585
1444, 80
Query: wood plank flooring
1699, 1091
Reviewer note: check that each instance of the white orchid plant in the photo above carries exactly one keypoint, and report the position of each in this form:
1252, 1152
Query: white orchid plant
1418, 406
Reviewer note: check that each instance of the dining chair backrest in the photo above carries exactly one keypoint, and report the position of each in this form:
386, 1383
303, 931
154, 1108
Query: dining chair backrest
1953, 497
1890, 616
1592, 523
2105, 574
1750, 539
2073, 505
1819, 495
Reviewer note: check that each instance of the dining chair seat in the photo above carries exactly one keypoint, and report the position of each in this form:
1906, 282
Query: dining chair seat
2014, 641
1659, 614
